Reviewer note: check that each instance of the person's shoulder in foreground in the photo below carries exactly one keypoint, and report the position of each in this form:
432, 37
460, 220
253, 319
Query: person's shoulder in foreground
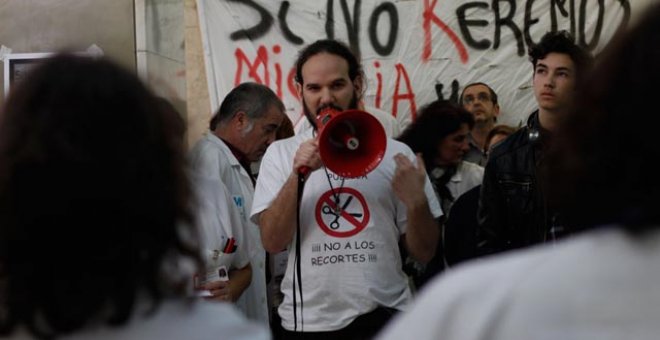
175, 320
602, 284
584, 288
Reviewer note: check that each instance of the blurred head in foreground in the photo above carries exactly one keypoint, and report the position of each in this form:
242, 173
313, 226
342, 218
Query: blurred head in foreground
94, 211
603, 168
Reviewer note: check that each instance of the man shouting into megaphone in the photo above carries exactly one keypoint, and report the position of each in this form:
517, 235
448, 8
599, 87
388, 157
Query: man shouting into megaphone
344, 276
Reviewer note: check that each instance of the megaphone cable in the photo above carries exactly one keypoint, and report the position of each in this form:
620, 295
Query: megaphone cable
297, 277
335, 192
296, 262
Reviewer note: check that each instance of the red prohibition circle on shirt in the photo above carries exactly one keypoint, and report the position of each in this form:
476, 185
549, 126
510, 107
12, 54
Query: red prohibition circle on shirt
355, 216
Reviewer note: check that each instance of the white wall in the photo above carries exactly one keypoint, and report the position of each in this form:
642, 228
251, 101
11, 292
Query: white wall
30, 26
160, 48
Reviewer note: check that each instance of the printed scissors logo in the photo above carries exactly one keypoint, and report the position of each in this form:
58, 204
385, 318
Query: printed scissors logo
334, 225
342, 212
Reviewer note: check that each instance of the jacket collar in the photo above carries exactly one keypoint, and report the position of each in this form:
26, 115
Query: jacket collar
437, 172
535, 131
239, 160
239, 155
533, 121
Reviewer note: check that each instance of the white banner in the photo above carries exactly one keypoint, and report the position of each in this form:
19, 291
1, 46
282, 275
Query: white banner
413, 51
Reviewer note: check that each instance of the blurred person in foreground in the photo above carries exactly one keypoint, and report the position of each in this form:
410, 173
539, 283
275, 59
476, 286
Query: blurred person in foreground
96, 219
602, 284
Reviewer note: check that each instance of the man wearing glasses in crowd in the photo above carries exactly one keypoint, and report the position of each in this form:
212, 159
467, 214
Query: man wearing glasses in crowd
480, 100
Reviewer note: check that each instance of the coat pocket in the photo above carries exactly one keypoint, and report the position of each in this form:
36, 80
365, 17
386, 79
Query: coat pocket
517, 191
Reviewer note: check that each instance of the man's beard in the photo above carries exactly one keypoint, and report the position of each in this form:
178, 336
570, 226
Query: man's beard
312, 118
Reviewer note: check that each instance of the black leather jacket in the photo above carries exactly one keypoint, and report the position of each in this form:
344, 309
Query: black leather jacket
512, 210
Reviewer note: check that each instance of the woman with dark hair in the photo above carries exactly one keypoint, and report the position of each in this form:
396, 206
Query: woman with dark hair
440, 134
602, 284
96, 236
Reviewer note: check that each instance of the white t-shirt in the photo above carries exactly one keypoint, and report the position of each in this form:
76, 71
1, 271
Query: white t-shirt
176, 321
601, 285
350, 261
211, 157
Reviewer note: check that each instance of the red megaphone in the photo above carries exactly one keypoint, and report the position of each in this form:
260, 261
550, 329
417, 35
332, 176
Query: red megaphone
351, 143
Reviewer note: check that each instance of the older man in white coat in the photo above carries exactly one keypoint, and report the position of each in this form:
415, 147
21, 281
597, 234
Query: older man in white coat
240, 132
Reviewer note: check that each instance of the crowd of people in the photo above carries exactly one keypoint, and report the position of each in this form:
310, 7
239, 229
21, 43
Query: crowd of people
111, 229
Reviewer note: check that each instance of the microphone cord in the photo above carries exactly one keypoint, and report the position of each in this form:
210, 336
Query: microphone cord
296, 262
335, 192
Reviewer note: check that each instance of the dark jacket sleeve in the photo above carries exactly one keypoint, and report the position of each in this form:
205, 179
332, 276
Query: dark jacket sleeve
460, 232
491, 214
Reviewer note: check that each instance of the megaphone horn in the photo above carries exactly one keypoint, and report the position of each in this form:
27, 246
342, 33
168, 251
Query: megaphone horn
351, 143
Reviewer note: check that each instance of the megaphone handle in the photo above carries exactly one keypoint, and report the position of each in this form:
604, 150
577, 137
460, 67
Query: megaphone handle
303, 170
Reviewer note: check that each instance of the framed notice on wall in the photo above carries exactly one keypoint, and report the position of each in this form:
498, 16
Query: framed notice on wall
17, 65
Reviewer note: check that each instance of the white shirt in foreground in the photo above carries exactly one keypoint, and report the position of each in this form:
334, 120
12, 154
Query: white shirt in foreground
176, 320
601, 285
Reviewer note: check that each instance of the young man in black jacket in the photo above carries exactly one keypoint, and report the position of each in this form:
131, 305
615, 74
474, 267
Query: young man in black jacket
513, 212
